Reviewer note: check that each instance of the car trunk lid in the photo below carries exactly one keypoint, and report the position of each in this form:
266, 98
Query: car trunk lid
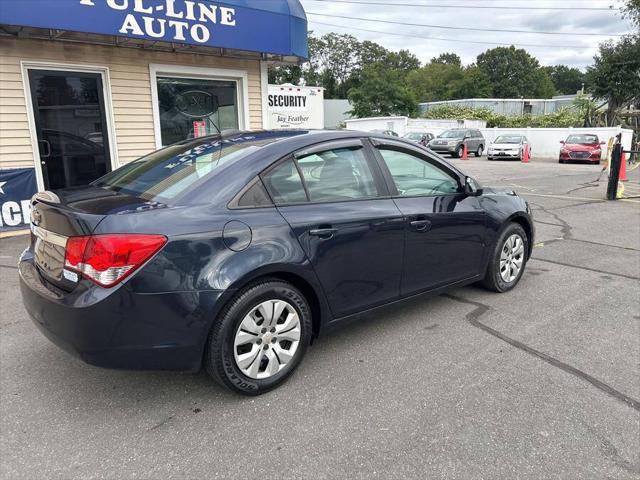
74, 212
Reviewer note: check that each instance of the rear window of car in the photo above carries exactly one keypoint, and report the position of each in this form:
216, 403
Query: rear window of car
165, 174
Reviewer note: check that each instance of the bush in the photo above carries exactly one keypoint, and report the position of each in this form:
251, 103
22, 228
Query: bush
562, 118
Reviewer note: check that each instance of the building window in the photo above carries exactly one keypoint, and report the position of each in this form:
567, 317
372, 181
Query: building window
191, 107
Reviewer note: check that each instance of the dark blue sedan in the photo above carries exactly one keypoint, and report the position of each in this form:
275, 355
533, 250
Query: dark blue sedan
234, 251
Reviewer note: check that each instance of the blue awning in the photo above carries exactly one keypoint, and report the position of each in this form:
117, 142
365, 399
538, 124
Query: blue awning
276, 27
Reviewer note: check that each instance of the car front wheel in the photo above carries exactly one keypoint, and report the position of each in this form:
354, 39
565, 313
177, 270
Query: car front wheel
479, 151
508, 260
259, 338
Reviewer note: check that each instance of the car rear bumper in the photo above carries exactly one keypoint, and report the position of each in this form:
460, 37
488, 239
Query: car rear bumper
117, 328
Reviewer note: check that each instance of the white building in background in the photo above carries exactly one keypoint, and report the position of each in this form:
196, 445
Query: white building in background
507, 106
402, 125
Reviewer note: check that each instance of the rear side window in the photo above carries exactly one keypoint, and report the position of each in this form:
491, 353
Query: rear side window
254, 196
166, 174
337, 175
284, 183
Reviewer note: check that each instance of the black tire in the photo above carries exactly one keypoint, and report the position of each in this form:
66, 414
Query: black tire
219, 359
493, 279
459, 152
479, 151
561, 161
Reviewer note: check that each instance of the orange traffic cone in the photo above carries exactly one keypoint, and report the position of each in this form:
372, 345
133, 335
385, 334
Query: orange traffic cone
623, 167
465, 154
525, 154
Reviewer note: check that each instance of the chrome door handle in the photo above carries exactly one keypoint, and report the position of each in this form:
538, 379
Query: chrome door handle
421, 225
323, 232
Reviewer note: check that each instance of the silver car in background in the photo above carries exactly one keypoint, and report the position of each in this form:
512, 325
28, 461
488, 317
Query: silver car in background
508, 147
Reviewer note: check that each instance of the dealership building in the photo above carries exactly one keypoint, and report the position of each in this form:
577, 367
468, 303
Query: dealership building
89, 85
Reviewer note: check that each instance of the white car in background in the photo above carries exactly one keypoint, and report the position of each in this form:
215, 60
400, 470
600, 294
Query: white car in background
508, 147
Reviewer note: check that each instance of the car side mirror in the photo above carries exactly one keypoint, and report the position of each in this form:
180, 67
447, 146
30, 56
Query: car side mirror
562, 142
472, 187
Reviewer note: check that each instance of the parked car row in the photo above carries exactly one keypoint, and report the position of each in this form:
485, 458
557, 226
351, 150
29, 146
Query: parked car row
577, 147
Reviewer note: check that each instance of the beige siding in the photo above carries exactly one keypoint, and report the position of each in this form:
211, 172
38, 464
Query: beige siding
130, 91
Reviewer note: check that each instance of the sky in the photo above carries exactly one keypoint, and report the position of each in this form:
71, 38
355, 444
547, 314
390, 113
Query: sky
572, 50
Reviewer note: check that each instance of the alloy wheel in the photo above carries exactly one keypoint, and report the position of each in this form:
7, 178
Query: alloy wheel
267, 339
511, 258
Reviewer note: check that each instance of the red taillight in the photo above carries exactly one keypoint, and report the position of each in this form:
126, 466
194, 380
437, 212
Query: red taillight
108, 259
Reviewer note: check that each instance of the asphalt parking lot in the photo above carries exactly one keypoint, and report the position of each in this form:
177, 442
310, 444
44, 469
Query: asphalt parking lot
541, 382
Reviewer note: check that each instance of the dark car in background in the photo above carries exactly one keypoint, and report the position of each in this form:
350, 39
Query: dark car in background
233, 251
581, 147
390, 133
452, 142
422, 138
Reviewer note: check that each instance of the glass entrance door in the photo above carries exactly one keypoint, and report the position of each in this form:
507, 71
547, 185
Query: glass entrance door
71, 127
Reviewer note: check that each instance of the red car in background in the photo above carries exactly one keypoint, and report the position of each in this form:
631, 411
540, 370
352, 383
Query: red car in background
581, 147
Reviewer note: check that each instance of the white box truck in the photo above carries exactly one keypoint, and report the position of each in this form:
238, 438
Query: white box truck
289, 106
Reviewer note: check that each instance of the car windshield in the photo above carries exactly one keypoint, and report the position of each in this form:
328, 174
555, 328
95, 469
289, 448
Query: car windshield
163, 175
452, 134
414, 136
582, 139
508, 139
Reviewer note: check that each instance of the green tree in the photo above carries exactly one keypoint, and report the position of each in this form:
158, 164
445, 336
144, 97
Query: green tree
434, 81
514, 73
448, 59
285, 74
566, 80
615, 74
403, 60
631, 10
473, 84
381, 92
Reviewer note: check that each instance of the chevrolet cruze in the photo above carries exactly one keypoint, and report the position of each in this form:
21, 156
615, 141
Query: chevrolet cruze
233, 252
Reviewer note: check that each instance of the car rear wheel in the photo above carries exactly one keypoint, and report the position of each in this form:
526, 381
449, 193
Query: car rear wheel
508, 260
259, 338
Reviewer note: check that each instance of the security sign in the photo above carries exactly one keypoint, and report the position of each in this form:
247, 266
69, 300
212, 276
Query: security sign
290, 106
17, 186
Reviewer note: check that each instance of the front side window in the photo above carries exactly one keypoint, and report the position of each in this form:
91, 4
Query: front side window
337, 175
414, 176
195, 107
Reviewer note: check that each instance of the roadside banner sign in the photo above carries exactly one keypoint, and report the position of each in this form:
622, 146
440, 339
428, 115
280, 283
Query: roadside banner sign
17, 186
